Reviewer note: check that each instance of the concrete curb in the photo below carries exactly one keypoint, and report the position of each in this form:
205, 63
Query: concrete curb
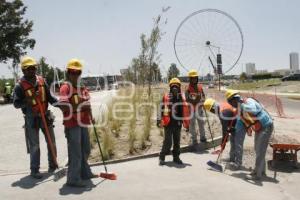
183, 149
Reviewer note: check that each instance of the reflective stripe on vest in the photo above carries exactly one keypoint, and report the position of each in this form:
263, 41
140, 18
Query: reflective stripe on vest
34, 95
194, 96
166, 118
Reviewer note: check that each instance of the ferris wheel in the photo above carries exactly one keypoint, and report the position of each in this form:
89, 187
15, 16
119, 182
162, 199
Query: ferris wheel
209, 39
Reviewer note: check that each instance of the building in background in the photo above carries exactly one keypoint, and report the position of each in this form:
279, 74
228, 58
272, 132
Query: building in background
294, 62
250, 68
261, 71
282, 72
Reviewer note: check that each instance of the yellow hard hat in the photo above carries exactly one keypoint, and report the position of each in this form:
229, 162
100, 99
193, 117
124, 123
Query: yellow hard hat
209, 103
193, 73
174, 81
28, 62
74, 64
230, 93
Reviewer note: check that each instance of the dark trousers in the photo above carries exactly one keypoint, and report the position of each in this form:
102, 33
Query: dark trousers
78, 152
172, 134
34, 143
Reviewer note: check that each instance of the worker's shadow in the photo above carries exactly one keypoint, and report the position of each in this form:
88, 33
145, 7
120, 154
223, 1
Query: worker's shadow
200, 151
67, 190
242, 175
28, 182
172, 164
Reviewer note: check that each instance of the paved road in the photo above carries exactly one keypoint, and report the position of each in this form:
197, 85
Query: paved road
13, 157
144, 179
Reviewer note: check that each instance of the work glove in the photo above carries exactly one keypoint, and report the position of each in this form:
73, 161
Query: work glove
230, 129
158, 123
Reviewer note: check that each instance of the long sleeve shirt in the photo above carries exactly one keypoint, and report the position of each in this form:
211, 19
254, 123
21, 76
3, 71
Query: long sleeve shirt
19, 101
255, 108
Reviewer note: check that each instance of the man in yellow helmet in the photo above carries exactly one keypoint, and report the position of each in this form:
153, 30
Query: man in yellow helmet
75, 102
195, 97
227, 115
252, 116
32, 95
172, 115
7, 92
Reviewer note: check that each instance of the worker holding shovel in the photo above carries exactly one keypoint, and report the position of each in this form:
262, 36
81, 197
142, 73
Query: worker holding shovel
173, 114
195, 97
253, 117
74, 101
32, 95
227, 116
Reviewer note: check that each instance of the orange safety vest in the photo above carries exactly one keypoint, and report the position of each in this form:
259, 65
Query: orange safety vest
35, 96
77, 97
251, 120
166, 118
195, 96
226, 106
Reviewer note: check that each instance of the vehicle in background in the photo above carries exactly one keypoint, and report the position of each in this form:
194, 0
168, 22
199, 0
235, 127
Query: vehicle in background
291, 77
211, 85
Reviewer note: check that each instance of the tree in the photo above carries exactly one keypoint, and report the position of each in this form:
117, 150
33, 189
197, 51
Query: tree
47, 71
14, 32
243, 77
145, 68
173, 71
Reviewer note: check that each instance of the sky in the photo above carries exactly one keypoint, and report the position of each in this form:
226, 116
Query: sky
105, 33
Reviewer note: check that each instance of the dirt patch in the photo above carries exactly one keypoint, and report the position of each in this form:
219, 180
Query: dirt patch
283, 139
128, 139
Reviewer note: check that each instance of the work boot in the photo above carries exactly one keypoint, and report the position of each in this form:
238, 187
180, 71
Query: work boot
234, 167
252, 177
91, 176
78, 184
203, 140
254, 173
36, 174
51, 169
161, 160
177, 161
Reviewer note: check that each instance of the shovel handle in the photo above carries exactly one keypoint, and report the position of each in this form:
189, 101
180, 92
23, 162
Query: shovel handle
53, 154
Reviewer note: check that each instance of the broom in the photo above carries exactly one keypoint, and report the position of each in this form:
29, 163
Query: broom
215, 165
106, 174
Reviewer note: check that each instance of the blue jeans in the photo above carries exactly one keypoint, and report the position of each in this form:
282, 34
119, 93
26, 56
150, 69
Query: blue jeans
34, 146
261, 142
239, 138
78, 152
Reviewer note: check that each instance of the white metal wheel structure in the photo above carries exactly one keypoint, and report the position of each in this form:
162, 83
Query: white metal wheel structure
204, 34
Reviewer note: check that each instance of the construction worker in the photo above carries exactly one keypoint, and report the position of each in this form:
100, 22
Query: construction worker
7, 92
75, 103
253, 117
227, 116
195, 97
32, 95
173, 114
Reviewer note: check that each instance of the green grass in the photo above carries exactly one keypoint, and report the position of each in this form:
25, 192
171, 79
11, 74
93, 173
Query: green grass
294, 98
255, 84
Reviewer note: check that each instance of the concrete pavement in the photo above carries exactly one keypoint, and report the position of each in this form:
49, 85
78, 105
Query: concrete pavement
144, 179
